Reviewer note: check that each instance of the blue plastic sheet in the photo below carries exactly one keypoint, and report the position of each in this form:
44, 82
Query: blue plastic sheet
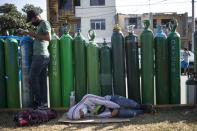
14, 37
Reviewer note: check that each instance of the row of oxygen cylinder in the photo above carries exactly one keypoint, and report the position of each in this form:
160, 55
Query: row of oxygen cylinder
160, 59
88, 68
78, 66
101, 70
74, 66
10, 69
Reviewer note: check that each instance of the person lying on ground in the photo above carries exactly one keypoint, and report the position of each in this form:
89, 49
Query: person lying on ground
106, 107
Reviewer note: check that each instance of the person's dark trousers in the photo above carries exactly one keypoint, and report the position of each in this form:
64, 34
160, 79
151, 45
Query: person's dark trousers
128, 107
38, 79
124, 102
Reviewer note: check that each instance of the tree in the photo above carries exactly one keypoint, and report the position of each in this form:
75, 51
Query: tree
6, 8
28, 7
11, 18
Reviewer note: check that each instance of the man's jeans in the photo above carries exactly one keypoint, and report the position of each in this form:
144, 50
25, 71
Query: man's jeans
128, 107
38, 79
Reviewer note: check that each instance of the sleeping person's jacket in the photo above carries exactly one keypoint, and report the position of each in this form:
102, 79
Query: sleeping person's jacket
89, 103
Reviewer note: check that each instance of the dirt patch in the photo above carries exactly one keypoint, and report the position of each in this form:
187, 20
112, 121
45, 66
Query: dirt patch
169, 119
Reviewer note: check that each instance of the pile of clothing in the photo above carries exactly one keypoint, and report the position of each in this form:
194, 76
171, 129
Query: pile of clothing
34, 116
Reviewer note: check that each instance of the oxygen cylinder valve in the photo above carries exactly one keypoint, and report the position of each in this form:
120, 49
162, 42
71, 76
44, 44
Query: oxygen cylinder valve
159, 28
91, 35
117, 28
160, 32
78, 30
67, 27
173, 25
146, 24
52, 31
130, 29
104, 41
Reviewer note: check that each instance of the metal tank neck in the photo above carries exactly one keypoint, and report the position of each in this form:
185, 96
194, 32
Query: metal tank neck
159, 32
52, 31
67, 28
117, 28
159, 29
173, 25
78, 32
130, 29
91, 35
104, 42
146, 24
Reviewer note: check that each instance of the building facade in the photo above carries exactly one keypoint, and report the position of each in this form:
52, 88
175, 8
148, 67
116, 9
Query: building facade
84, 15
156, 18
98, 15
101, 15
60, 12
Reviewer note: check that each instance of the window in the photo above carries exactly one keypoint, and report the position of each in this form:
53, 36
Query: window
77, 2
77, 27
66, 4
165, 21
97, 2
154, 23
132, 21
97, 24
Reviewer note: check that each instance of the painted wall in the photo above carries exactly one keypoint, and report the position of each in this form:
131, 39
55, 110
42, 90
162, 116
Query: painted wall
87, 12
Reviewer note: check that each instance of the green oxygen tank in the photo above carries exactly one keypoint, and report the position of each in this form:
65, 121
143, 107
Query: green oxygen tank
3, 103
132, 64
93, 82
118, 59
147, 65
12, 77
195, 51
161, 67
174, 43
80, 66
66, 67
105, 69
54, 72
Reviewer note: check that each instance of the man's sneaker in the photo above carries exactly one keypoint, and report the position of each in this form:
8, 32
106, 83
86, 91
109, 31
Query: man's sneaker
147, 108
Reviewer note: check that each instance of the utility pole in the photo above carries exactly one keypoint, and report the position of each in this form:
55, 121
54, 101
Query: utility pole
150, 16
193, 24
149, 4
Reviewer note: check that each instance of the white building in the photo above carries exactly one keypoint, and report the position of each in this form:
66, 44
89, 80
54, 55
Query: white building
99, 15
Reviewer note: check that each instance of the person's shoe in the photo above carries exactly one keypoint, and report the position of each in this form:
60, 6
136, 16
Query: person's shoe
147, 108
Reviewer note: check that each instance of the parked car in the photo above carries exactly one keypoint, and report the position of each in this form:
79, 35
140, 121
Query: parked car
191, 61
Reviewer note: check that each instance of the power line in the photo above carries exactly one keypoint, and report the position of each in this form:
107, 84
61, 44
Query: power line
155, 3
99, 15
96, 11
105, 12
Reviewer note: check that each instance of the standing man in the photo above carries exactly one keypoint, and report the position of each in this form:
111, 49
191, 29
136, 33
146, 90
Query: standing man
185, 62
40, 59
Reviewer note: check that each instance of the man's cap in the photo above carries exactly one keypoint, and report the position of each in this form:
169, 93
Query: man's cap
31, 14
